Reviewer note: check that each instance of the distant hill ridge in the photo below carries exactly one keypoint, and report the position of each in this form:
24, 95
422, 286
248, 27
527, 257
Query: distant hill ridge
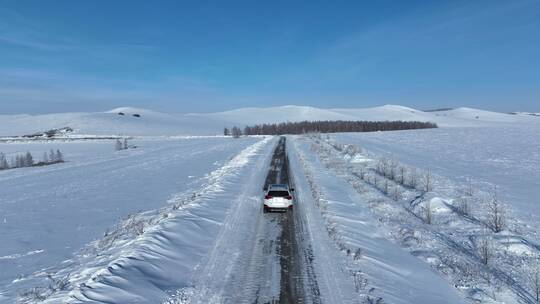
138, 121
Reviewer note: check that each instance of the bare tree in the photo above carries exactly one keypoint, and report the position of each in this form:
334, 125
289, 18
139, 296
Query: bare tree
534, 282
401, 177
19, 161
52, 156
362, 172
59, 157
125, 144
496, 216
117, 145
3, 162
463, 205
386, 188
382, 167
484, 249
236, 132
28, 160
375, 180
392, 169
469, 190
428, 213
397, 194
428, 181
226, 131
413, 178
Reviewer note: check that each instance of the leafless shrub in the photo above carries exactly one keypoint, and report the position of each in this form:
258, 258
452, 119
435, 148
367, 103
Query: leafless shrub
332, 230
135, 225
58, 284
359, 281
34, 294
108, 239
374, 300
357, 254
341, 245
484, 249
352, 150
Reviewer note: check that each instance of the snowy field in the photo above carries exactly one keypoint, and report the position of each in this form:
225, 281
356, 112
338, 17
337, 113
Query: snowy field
385, 217
476, 224
506, 157
48, 213
152, 123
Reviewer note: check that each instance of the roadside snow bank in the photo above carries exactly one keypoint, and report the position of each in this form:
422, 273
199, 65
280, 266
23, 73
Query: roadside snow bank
470, 237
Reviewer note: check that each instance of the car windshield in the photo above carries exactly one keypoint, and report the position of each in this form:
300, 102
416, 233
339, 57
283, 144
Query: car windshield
278, 193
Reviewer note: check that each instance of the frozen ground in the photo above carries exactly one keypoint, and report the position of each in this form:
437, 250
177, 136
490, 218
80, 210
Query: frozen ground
48, 213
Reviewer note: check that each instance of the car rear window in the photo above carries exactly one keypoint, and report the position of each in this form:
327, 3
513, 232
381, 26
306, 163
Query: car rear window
278, 193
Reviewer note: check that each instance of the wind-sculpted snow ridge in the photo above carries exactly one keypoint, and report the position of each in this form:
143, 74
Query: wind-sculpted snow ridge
469, 237
149, 255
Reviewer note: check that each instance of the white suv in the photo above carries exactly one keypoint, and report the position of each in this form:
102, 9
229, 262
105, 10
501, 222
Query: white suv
278, 197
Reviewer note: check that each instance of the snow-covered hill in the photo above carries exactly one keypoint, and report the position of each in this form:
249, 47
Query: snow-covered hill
134, 121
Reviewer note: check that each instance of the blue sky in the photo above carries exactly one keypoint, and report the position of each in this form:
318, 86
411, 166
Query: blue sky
200, 56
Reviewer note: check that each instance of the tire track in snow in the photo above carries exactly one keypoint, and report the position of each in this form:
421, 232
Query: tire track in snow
259, 257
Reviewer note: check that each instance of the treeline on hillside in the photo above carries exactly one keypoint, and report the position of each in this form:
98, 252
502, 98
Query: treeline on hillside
27, 160
327, 127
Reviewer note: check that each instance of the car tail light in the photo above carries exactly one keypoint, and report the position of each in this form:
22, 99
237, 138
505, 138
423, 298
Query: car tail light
267, 197
288, 197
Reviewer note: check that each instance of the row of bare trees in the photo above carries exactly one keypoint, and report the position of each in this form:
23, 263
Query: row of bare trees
393, 178
327, 127
27, 160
